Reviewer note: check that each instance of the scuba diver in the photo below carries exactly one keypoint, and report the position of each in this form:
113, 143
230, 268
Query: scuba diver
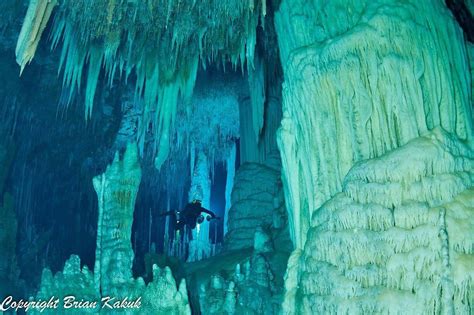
191, 215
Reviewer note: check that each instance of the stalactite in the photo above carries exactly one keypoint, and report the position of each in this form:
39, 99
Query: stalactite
105, 35
36, 19
95, 64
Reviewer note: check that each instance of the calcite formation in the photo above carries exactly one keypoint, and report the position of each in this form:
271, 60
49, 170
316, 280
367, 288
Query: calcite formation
116, 190
398, 237
257, 202
80, 283
36, 19
258, 143
369, 179
115, 36
385, 235
257, 225
71, 281
367, 78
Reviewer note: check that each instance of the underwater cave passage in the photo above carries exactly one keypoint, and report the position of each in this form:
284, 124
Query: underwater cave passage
238, 157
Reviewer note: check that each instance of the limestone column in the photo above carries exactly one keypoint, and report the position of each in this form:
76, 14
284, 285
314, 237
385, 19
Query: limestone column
200, 246
117, 191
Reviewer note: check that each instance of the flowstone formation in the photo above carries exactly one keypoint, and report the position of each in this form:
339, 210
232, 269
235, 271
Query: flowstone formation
112, 277
367, 79
257, 202
385, 73
398, 237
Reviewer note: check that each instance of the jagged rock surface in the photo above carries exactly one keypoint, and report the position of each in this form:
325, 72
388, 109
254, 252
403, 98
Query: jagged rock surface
72, 281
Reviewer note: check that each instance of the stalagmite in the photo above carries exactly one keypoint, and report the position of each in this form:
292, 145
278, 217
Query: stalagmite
256, 187
71, 281
37, 16
253, 291
354, 125
116, 190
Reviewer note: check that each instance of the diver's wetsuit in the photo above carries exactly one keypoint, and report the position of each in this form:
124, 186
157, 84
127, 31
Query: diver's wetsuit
190, 215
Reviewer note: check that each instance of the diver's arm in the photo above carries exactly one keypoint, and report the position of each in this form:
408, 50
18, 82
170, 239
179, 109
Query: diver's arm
213, 215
